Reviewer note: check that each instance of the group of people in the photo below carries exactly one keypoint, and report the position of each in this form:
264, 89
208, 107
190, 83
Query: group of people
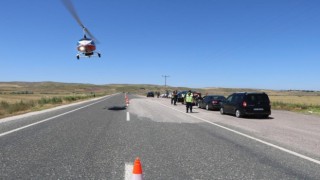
188, 99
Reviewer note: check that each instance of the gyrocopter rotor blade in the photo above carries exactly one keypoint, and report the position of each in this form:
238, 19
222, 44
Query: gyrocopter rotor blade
68, 4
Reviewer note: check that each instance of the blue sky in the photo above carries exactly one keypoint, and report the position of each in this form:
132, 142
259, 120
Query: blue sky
264, 44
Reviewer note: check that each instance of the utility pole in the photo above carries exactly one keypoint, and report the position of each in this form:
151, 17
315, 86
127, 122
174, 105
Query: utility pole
165, 80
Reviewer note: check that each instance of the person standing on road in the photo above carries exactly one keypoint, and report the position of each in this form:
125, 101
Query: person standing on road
172, 97
175, 97
189, 99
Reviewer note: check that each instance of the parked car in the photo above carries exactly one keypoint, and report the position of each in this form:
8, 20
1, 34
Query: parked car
181, 96
196, 97
150, 94
166, 95
211, 102
247, 104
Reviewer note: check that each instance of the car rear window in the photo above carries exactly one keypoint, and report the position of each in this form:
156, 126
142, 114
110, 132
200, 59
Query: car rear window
216, 98
252, 98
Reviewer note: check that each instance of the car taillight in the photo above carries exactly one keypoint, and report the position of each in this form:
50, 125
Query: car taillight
244, 104
214, 102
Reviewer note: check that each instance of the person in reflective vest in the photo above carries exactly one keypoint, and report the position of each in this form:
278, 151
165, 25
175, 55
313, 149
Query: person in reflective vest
189, 100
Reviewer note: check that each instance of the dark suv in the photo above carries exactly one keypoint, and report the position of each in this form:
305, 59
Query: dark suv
150, 94
243, 104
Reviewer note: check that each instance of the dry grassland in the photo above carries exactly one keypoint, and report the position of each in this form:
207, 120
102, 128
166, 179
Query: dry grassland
308, 100
41, 95
13, 98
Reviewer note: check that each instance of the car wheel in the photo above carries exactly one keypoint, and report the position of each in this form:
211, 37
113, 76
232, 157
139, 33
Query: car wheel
207, 107
222, 111
238, 114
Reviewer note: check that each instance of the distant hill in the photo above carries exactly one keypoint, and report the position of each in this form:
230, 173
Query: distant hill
71, 88
78, 88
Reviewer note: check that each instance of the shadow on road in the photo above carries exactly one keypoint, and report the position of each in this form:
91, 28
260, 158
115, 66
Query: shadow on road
116, 108
257, 118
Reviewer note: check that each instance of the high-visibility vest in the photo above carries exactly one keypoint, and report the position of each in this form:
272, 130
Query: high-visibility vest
189, 97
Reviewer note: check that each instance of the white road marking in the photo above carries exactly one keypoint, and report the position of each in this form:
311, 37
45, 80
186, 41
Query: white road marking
250, 137
23, 127
128, 168
128, 116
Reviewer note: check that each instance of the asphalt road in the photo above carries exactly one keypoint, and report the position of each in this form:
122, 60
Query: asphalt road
100, 140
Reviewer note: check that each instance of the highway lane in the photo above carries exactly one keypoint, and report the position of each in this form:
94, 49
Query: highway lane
98, 142
298, 132
11, 123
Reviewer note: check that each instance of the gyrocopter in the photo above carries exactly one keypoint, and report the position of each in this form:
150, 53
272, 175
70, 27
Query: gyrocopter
86, 46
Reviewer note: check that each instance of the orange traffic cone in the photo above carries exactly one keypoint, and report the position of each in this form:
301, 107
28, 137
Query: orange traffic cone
137, 170
127, 101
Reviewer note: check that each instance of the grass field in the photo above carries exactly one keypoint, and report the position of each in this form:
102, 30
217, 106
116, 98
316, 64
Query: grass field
309, 104
21, 97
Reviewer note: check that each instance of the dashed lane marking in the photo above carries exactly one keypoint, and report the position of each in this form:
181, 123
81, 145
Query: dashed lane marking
128, 171
128, 116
